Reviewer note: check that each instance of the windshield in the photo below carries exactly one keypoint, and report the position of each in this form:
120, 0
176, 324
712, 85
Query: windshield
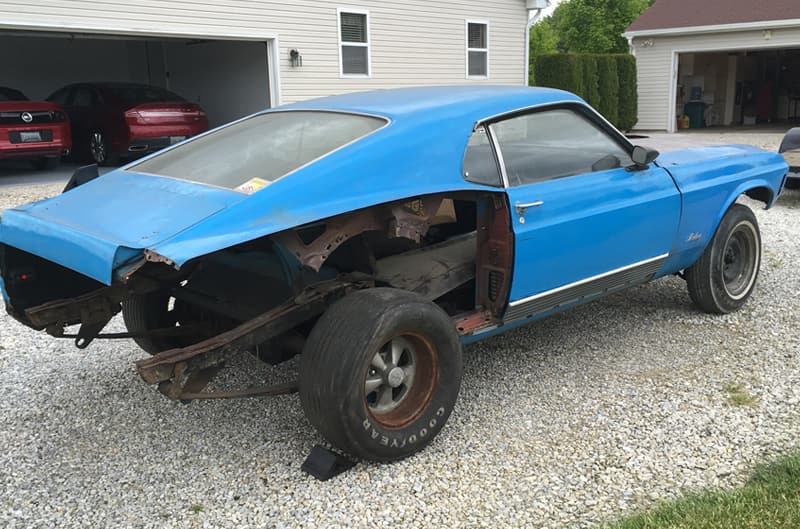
136, 94
252, 153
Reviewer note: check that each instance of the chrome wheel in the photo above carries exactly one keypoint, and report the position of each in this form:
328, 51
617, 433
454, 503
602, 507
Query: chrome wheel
400, 380
740, 260
97, 146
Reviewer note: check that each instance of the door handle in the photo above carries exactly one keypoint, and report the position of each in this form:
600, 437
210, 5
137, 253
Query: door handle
522, 208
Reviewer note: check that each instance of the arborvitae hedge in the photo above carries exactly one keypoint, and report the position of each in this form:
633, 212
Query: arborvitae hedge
607, 82
628, 94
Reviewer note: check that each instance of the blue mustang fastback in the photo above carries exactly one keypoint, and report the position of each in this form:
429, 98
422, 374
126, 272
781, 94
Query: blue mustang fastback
375, 234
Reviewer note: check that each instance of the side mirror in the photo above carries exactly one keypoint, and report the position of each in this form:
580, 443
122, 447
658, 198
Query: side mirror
643, 156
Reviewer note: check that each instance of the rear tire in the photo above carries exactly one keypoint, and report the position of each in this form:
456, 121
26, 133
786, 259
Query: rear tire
100, 150
146, 312
380, 373
724, 277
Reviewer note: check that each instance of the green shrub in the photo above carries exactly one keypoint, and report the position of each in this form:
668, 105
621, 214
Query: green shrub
559, 71
628, 94
607, 82
590, 91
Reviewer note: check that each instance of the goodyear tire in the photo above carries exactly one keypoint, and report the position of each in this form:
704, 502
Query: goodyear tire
380, 373
724, 277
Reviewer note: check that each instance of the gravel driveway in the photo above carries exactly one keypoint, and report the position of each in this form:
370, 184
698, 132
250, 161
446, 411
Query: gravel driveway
570, 421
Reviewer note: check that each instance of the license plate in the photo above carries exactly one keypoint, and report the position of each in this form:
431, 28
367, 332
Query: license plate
176, 139
27, 137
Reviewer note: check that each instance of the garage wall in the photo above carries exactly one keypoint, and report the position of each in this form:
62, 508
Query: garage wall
228, 79
413, 41
23, 60
654, 63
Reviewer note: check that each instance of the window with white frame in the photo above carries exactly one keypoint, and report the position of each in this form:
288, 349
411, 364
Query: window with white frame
477, 50
354, 52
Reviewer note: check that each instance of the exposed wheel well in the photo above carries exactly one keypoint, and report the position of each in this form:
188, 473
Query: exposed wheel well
762, 194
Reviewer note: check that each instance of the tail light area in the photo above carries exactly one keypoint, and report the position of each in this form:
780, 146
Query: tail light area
149, 115
30, 280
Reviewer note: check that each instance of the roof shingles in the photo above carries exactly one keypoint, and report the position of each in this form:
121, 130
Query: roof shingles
669, 14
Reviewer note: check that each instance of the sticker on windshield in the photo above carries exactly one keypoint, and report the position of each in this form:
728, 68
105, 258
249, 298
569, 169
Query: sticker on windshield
252, 185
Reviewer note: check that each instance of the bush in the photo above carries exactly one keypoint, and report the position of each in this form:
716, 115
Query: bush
559, 71
628, 105
607, 82
590, 91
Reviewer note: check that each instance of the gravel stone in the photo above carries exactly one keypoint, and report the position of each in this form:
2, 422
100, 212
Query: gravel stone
570, 421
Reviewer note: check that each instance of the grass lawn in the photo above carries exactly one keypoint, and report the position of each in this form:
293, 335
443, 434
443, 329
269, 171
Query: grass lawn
769, 500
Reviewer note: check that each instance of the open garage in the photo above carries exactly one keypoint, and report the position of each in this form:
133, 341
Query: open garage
225, 79
738, 87
717, 63
229, 79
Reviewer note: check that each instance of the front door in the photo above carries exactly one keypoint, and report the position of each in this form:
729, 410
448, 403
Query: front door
585, 221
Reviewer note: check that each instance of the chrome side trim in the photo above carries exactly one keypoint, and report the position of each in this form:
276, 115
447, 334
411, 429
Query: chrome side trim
500, 161
591, 287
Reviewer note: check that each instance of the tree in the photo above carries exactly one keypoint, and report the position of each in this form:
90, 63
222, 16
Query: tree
596, 26
543, 41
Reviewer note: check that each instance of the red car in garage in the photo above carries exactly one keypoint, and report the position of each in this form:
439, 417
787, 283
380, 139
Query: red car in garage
112, 121
34, 130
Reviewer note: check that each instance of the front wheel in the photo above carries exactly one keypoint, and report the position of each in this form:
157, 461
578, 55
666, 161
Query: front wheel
380, 373
725, 275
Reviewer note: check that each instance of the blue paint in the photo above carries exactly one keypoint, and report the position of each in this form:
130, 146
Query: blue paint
588, 225
591, 224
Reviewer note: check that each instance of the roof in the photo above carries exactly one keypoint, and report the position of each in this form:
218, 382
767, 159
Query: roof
470, 103
674, 14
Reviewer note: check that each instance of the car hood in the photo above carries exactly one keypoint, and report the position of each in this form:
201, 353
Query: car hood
101, 225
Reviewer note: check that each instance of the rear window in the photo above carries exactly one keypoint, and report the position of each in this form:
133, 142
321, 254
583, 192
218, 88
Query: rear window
137, 94
252, 153
9, 94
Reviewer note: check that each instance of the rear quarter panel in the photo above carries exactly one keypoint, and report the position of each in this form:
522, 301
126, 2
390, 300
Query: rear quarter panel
710, 180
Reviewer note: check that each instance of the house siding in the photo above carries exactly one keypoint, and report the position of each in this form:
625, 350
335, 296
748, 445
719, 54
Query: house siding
413, 42
654, 64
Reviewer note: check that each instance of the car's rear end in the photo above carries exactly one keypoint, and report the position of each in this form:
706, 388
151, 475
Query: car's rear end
154, 118
32, 130
153, 126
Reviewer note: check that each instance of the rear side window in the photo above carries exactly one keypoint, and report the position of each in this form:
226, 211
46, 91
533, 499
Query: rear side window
252, 153
555, 144
60, 97
480, 165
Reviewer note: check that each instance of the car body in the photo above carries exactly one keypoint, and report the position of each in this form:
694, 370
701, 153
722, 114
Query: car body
32, 130
376, 233
113, 121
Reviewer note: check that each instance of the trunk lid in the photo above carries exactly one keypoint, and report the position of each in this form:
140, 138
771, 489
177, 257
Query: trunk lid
99, 226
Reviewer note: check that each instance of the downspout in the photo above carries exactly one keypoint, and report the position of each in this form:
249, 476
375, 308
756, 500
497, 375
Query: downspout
535, 8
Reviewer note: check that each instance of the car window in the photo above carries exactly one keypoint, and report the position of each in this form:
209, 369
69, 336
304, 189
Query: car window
83, 97
554, 144
480, 165
135, 94
61, 96
250, 154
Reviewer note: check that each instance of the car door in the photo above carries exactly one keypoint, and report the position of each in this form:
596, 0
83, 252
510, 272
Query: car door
586, 220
